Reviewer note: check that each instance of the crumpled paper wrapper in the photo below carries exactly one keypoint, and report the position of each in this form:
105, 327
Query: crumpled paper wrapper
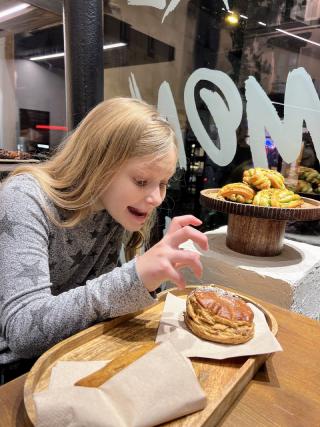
172, 328
158, 387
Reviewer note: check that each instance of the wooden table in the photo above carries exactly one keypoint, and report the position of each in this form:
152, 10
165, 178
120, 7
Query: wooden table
285, 392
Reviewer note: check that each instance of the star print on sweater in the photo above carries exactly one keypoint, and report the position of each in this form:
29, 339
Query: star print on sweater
77, 258
7, 226
94, 234
31, 272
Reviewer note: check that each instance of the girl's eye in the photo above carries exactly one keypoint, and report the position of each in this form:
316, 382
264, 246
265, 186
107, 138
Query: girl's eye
140, 183
164, 185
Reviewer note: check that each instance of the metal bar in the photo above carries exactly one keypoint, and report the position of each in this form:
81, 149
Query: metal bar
83, 39
54, 6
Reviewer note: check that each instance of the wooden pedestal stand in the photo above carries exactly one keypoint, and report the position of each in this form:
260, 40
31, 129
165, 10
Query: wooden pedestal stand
258, 230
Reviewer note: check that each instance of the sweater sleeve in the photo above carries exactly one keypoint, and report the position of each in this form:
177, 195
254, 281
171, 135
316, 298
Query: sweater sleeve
31, 318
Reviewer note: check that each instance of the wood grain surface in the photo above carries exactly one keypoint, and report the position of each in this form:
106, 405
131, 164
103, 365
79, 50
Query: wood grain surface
255, 236
284, 392
99, 377
309, 211
222, 380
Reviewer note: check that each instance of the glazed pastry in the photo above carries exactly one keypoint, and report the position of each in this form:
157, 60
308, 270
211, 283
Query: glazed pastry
262, 179
309, 175
277, 198
217, 315
237, 192
303, 187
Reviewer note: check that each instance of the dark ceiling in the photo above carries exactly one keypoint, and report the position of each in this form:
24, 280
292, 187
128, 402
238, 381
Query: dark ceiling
140, 48
39, 31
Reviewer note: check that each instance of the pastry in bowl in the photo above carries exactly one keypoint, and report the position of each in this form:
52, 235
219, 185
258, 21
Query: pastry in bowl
277, 198
262, 179
217, 315
237, 192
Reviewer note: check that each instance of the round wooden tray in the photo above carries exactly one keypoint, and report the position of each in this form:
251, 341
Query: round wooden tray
310, 210
222, 380
258, 230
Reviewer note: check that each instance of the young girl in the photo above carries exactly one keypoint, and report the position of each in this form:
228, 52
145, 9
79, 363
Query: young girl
62, 224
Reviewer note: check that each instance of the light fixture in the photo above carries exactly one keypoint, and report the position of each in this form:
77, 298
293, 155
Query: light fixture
232, 18
243, 17
13, 10
53, 55
297, 37
262, 23
51, 127
61, 54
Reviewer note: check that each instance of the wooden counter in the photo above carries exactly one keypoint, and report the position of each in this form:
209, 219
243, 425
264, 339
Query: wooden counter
285, 392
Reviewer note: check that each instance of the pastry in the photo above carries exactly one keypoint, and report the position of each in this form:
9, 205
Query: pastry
14, 155
262, 179
303, 186
309, 175
277, 198
237, 192
217, 315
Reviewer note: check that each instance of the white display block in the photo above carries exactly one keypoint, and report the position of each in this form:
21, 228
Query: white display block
290, 280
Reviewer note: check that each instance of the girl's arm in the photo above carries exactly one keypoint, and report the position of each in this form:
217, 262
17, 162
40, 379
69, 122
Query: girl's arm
31, 318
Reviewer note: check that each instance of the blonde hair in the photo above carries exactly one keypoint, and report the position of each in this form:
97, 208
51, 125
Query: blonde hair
115, 131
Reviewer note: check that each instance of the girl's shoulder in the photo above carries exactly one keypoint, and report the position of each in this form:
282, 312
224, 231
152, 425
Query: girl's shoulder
22, 187
23, 180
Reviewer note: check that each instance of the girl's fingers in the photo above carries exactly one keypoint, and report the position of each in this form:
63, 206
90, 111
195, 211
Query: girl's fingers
176, 277
188, 259
181, 221
186, 233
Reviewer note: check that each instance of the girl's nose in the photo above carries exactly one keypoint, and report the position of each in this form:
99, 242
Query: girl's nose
155, 197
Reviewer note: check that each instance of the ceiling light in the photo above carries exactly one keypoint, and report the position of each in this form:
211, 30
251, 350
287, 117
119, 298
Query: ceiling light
297, 37
113, 45
61, 54
232, 19
53, 55
243, 16
14, 9
262, 23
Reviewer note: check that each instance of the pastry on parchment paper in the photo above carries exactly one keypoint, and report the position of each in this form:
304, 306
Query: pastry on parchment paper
217, 315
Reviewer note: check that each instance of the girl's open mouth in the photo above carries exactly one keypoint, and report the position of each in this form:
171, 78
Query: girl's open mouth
137, 213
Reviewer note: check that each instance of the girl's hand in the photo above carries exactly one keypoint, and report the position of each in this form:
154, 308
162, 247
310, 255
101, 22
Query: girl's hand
164, 260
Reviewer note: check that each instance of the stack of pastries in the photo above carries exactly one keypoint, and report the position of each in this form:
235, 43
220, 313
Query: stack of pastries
261, 187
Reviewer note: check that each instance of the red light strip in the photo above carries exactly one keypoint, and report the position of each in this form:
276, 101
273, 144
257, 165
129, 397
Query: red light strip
52, 127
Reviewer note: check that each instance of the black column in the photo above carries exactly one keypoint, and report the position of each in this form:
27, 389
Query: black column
83, 40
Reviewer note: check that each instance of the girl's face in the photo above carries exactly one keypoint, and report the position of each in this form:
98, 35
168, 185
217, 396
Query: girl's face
137, 188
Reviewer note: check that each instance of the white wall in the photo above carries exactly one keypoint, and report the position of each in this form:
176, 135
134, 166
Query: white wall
7, 101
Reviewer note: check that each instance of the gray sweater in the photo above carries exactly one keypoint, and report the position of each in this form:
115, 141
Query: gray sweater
57, 281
